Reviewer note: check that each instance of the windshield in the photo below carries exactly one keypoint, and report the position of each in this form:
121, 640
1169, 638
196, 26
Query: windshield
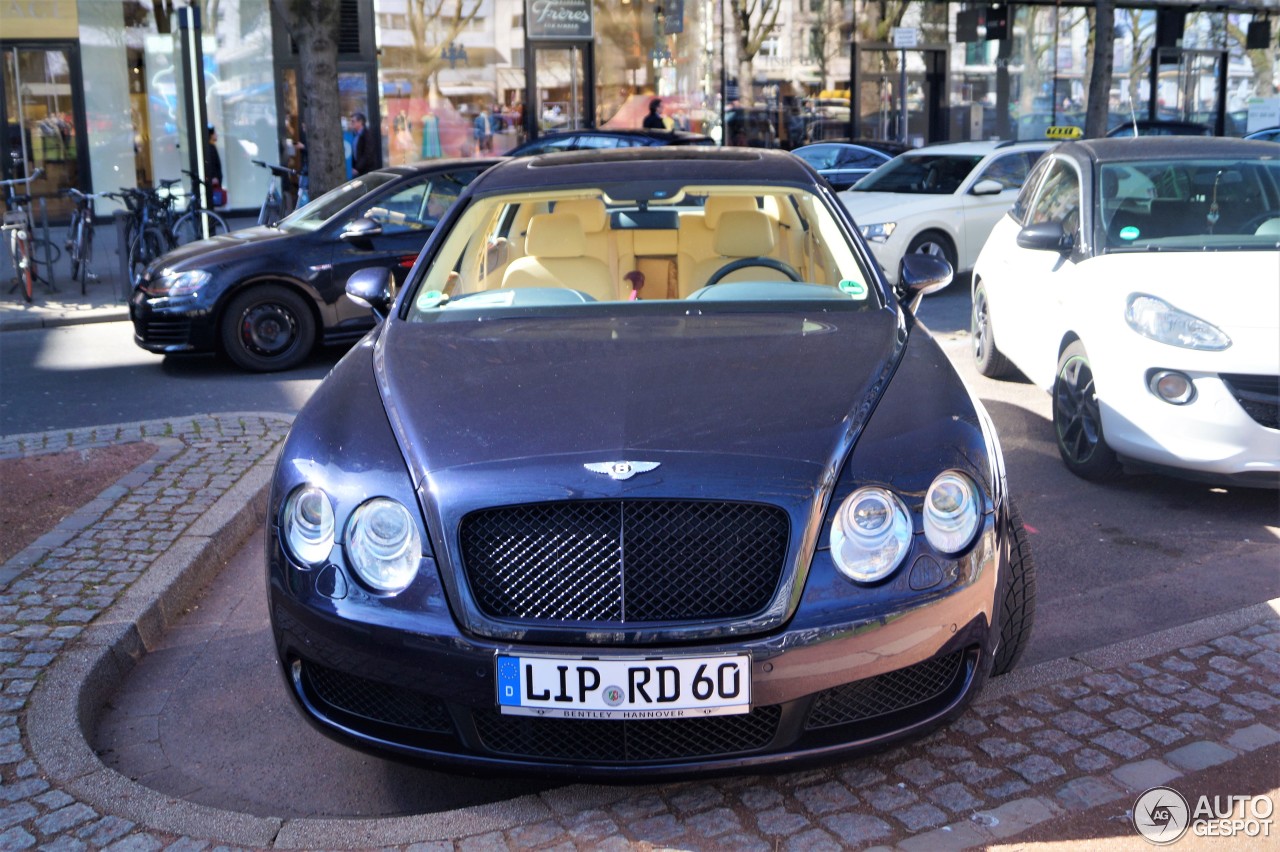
313, 215
922, 174
625, 243
1190, 205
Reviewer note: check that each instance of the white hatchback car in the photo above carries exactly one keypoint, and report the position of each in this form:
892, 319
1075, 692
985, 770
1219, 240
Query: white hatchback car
1138, 280
941, 200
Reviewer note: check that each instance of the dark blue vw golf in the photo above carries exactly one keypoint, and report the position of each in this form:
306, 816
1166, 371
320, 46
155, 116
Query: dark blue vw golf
645, 471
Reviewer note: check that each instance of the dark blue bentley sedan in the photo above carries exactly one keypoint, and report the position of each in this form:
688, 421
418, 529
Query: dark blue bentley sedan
645, 471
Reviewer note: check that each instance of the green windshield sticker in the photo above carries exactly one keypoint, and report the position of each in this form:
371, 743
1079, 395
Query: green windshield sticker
430, 299
1129, 233
853, 289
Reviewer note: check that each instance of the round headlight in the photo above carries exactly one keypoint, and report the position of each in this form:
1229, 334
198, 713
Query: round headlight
951, 512
383, 544
871, 534
308, 525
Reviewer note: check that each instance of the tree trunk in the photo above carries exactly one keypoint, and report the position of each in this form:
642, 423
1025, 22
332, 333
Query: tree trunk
314, 24
1103, 62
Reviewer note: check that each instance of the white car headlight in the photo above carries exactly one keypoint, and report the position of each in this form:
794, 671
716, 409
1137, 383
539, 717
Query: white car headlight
170, 283
952, 510
383, 544
308, 525
879, 232
1160, 321
871, 534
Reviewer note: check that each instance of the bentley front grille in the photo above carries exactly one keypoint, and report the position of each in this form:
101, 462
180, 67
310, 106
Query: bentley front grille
609, 562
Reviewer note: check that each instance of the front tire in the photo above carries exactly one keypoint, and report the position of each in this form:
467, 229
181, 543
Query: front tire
934, 243
1077, 419
986, 355
267, 327
1017, 603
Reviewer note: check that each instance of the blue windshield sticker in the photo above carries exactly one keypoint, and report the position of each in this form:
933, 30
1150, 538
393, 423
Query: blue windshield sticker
1129, 233
853, 289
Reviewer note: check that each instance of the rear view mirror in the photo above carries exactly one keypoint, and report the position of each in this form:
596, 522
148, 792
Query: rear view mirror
922, 274
987, 187
362, 230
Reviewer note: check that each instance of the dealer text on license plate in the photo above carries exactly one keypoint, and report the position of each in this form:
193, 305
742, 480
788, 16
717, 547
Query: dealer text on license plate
624, 688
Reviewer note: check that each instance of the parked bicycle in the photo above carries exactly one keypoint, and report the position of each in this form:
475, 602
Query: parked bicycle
197, 222
79, 243
273, 206
25, 247
147, 227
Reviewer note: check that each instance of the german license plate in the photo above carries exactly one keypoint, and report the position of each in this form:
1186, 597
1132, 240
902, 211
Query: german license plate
627, 688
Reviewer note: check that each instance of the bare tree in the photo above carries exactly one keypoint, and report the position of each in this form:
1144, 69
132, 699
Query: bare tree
825, 30
1141, 40
1100, 68
313, 25
434, 31
753, 22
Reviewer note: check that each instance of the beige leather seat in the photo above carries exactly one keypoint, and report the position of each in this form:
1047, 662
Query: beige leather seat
696, 235
739, 234
555, 256
595, 224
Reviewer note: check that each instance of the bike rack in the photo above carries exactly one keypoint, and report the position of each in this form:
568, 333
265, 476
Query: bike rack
48, 245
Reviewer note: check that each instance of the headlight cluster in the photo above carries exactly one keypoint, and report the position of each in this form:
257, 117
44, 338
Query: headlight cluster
872, 530
170, 283
879, 232
1158, 320
383, 546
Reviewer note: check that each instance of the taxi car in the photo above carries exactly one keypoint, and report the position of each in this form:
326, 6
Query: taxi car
1136, 281
645, 471
941, 200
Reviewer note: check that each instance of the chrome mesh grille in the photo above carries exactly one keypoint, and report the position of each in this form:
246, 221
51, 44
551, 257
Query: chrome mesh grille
378, 702
610, 562
891, 692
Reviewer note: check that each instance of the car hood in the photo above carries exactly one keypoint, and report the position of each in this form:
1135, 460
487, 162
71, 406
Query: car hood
726, 396
872, 207
225, 247
1187, 279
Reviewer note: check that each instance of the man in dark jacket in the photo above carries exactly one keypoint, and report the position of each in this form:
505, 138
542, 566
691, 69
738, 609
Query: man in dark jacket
364, 156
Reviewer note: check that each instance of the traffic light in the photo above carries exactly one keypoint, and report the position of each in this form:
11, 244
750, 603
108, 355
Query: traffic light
997, 23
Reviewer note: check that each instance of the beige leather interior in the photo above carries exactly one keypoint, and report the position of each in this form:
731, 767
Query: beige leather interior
556, 256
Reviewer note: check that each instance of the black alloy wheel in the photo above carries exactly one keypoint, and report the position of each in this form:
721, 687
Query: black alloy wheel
266, 328
1077, 419
988, 358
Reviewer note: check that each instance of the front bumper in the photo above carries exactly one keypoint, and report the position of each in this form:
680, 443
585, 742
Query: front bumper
167, 326
429, 694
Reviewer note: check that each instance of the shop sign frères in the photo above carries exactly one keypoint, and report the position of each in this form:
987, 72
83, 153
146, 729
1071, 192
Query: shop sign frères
23, 19
558, 19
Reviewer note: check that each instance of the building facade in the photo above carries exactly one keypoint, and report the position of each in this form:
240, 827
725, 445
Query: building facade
90, 92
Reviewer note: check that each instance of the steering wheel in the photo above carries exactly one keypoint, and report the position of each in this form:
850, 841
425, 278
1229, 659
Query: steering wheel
744, 262
1252, 225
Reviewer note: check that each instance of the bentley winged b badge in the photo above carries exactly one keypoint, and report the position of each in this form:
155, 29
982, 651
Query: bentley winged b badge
621, 469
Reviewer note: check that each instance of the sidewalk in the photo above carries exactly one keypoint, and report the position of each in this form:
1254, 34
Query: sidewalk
1075, 738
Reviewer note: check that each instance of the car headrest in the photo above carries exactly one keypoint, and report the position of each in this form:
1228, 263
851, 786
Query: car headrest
717, 205
555, 235
590, 211
744, 233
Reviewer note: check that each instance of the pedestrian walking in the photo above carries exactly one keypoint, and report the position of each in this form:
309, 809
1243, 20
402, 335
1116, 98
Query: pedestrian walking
654, 121
364, 155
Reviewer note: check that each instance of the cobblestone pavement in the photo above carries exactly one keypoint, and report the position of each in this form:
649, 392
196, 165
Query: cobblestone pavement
80, 605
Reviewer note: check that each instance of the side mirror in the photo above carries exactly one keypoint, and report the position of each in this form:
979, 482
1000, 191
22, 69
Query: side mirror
374, 288
1045, 236
987, 187
919, 275
362, 230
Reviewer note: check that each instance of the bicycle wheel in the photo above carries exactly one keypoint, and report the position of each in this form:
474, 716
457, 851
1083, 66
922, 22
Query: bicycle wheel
189, 227
147, 245
75, 245
20, 249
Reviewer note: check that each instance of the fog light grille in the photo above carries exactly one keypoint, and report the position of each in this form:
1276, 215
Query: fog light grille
378, 702
1259, 396
887, 693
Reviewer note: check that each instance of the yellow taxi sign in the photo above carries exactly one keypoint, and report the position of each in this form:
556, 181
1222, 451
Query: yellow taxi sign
1068, 131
